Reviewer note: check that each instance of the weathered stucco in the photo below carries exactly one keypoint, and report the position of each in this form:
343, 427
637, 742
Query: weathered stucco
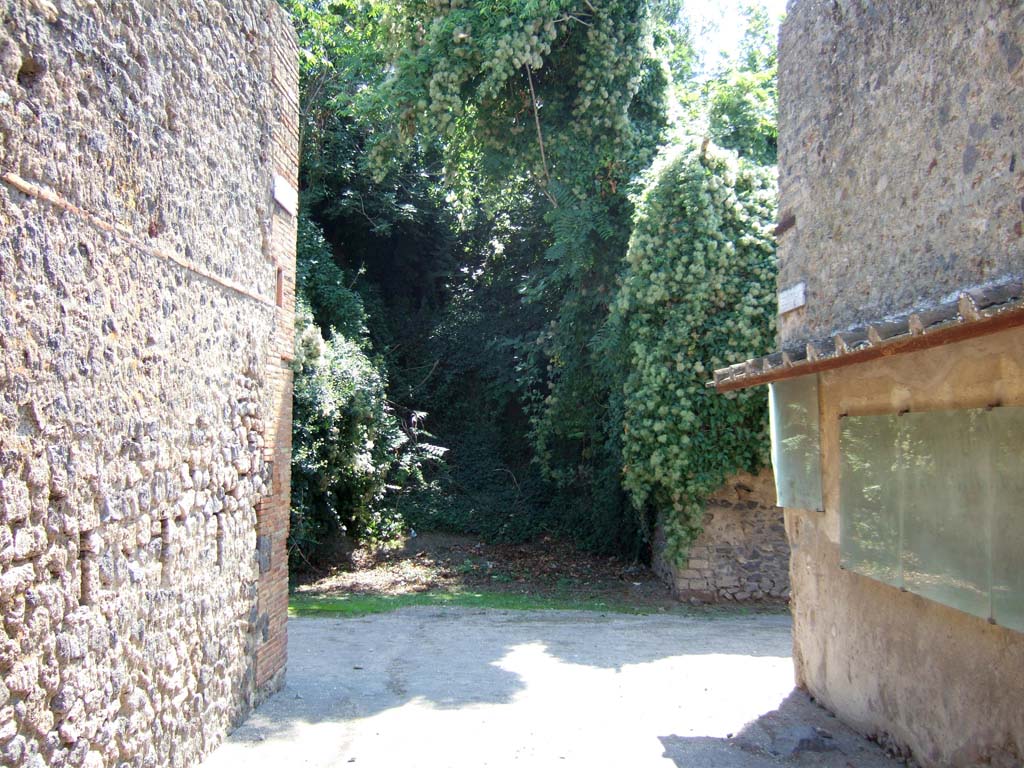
901, 154
145, 308
943, 684
742, 553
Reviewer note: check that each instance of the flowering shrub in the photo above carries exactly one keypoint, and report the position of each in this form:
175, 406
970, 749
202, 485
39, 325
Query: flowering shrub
698, 294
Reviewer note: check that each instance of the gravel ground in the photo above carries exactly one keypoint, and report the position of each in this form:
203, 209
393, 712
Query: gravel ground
453, 688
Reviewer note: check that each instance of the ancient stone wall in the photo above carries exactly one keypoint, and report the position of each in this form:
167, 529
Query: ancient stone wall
742, 553
901, 155
147, 276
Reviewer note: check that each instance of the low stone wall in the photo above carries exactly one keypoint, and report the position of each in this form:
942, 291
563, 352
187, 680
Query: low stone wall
145, 324
742, 554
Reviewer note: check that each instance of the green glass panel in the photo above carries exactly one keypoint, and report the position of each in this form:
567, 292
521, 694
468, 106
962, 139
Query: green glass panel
796, 444
1008, 517
870, 497
934, 502
944, 457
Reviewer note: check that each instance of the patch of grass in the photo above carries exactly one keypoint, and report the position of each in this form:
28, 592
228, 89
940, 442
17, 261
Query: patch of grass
564, 584
349, 605
341, 606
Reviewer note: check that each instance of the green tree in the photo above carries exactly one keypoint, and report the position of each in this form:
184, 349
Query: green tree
565, 102
472, 170
742, 100
354, 452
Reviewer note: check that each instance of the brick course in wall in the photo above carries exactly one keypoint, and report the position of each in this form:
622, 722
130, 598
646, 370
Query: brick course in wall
146, 332
742, 553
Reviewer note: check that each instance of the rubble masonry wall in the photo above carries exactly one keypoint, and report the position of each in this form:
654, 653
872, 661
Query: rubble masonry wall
146, 303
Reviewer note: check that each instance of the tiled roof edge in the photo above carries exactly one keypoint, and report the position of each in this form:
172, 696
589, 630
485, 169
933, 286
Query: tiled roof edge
971, 312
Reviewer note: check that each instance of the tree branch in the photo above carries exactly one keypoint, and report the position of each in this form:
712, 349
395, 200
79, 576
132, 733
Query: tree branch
570, 17
540, 139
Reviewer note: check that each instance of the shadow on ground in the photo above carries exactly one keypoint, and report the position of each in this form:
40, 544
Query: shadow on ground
438, 561
451, 687
798, 733
430, 654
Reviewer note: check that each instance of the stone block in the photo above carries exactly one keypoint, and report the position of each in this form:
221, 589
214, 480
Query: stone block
16, 579
14, 500
29, 542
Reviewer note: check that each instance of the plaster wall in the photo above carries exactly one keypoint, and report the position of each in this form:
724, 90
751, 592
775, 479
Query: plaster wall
901, 155
927, 679
146, 303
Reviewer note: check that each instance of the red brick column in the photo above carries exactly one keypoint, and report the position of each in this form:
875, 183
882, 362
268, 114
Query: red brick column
273, 510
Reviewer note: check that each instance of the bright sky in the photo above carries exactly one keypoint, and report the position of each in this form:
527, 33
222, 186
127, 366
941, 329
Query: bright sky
718, 24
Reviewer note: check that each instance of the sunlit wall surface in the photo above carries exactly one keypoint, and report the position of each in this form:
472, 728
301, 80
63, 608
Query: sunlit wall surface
933, 503
796, 444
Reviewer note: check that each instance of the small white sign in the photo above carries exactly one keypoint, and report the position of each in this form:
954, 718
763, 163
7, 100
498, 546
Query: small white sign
792, 298
285, 194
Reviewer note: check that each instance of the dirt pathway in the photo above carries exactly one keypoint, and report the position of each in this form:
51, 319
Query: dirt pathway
454, 688
438, 561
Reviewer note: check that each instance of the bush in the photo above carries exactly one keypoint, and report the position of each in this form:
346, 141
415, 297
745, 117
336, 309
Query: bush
699, 293
352, 454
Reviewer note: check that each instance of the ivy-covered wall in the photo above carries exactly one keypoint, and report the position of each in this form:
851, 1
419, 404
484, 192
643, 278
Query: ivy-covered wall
698, 292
